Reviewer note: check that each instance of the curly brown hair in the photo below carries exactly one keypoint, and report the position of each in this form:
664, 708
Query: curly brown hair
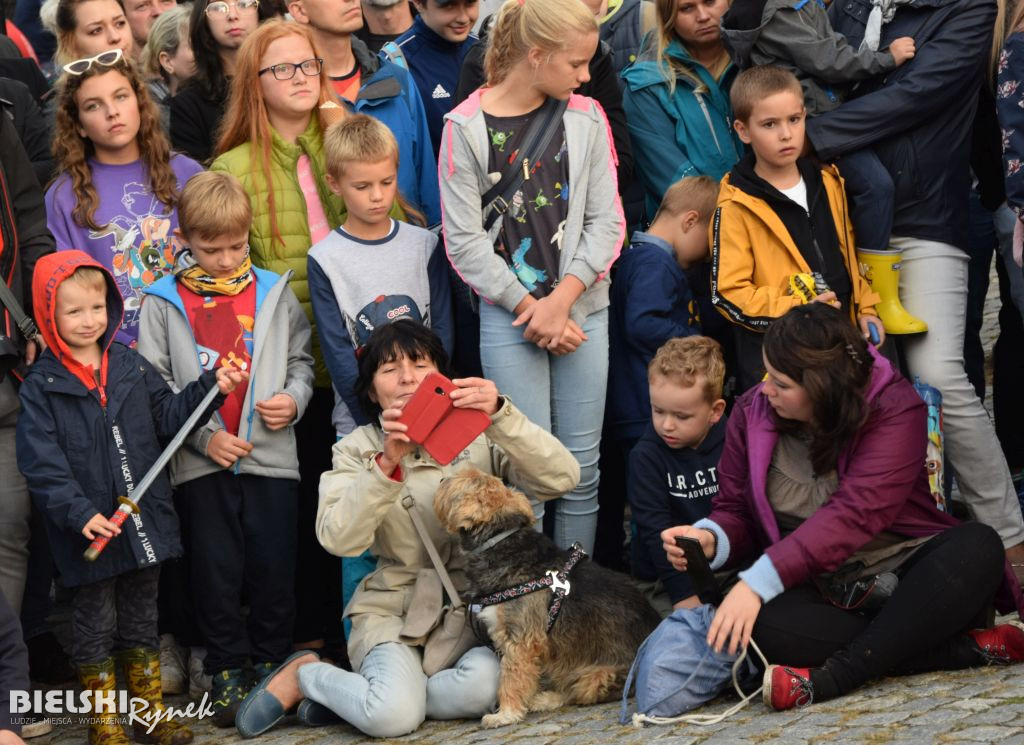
72, 151
818, 347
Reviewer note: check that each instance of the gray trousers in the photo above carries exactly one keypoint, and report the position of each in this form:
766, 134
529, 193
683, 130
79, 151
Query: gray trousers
114, 614
933, 287
15, 507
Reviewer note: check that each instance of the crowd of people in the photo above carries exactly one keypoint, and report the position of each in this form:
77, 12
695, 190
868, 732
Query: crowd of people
688, 256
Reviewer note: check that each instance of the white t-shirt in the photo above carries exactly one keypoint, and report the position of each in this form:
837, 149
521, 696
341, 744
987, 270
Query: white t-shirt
798, 193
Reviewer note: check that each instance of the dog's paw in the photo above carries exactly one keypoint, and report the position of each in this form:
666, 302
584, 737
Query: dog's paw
547, 701
502, 718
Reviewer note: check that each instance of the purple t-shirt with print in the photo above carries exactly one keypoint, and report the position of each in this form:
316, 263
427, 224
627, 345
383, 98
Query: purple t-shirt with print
137, 243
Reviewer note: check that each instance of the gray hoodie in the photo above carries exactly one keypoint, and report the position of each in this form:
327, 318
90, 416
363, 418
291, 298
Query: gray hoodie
281, 363
594, 225
797, 35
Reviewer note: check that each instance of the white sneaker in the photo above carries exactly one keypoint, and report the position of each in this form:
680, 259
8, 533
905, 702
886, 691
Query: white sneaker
172, 666
198, 683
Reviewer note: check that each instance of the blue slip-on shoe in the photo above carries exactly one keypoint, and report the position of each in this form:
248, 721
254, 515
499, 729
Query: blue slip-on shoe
313, 714
260, 711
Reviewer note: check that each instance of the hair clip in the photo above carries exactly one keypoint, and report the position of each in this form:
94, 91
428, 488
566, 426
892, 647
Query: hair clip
853, 353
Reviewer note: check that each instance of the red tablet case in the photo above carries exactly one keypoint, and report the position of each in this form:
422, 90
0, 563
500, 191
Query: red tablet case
433, 421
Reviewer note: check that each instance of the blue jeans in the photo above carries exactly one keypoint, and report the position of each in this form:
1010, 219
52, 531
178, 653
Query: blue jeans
870, 190
390, 696
564, 395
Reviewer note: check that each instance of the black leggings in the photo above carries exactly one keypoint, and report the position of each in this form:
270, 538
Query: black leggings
945, 589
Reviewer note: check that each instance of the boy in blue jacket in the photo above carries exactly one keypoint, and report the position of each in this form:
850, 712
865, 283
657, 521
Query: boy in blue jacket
93, 418
237, 479
651, 302
673, 469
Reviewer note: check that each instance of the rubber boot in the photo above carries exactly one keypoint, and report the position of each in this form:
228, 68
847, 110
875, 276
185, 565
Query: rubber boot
142, 671
104, 727
881, 269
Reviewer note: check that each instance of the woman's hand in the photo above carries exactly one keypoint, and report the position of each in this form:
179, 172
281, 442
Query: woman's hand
278, 411
829, 298
675, 554
397, 444
865, 322
734, 619
475, 393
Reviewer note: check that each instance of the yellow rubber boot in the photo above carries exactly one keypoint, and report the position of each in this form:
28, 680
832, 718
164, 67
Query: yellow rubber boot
881, 269
104, 727
142, 671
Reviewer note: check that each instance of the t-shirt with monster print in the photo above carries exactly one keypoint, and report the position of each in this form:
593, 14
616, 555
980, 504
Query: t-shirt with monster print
136, 243
531, 236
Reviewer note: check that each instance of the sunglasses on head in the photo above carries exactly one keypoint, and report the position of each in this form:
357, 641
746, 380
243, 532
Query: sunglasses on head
107, 59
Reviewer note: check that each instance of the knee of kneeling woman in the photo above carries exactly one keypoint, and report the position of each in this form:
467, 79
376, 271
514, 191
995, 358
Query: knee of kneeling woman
985, 544
395, 718
468, 690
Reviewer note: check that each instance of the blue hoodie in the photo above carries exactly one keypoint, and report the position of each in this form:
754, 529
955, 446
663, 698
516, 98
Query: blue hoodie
685, 133
387, 93
435, 64
651, 302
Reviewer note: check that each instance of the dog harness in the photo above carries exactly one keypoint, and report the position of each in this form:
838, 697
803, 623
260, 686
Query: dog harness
556, 580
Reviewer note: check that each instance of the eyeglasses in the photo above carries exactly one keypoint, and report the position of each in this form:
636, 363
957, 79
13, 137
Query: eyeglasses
221, 8
286, 70
107, 59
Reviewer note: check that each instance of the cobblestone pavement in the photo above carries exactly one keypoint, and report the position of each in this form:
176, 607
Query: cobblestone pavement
972, 706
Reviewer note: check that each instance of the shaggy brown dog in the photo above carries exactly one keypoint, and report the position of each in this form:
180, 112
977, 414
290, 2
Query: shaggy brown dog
585, 657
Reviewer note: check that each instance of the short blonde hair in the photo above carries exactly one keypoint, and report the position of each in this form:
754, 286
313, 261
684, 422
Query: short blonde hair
688, 359
697, 193
523, 24
166, 34
212, 204
757, 83
358, 138
90, 277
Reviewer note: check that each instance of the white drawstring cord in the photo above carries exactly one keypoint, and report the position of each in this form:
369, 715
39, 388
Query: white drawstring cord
704, 720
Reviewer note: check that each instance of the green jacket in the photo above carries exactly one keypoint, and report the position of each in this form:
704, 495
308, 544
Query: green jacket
292, 220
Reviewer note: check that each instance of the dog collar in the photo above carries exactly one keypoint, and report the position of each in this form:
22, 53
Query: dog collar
493, 541
557, 581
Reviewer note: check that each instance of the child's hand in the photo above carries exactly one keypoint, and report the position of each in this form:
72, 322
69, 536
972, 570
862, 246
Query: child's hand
829, 298
99, 525
229, 377
902, 49
225, 449
674, 554
545, 321
865, 321
278, 411
572, 337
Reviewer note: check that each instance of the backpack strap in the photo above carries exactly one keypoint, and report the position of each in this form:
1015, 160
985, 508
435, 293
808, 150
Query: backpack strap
538, 135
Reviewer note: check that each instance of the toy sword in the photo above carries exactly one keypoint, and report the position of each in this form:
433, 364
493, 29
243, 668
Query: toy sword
130, 503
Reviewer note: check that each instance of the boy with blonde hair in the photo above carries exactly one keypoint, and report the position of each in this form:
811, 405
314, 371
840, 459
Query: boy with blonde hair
674, 467
371, 256
651, 302
238, 477
780, 215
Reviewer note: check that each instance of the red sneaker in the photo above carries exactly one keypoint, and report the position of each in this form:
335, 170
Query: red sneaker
787, 687
1001, 644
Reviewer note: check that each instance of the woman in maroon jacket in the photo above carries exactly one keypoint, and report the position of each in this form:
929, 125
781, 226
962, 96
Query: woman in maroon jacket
822, 486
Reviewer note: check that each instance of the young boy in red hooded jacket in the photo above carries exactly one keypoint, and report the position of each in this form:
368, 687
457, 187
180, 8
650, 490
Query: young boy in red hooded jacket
93, 416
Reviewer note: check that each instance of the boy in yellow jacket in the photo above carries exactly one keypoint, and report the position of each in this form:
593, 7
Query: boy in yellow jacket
779, 215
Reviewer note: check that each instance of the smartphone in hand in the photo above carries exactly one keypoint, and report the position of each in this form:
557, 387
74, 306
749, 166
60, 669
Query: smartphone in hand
704, 583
